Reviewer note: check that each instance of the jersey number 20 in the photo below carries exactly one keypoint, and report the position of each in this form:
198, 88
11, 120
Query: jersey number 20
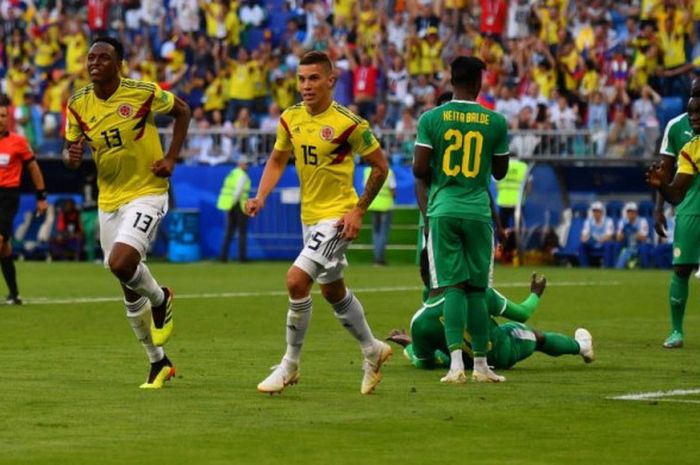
471, 145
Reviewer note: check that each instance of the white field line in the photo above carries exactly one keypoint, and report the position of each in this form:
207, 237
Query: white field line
661, 396
233, 295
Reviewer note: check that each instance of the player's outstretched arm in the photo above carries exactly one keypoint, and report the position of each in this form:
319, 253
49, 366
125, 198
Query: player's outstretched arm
181, 112
379, 170
674, 193
271, 175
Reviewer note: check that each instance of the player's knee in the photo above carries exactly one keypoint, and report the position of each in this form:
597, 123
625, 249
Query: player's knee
121, 267
298, 286
683, 271
333, 294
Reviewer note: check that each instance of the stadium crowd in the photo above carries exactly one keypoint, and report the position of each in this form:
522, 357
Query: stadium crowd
600, 65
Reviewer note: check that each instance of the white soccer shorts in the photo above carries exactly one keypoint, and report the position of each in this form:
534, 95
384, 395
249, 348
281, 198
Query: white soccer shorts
134, 224
323, 255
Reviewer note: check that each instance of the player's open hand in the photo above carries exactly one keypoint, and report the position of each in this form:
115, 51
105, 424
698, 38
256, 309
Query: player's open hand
163, 168
660, 223
350, 224
655, 175
73, 155
537, 285
253, 206
399, 336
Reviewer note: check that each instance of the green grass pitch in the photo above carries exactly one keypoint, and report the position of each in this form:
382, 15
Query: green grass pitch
70, 369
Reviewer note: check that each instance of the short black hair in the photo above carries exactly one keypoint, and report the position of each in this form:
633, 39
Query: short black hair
118, 47
695, 88
4, 100
466, 72
317, 58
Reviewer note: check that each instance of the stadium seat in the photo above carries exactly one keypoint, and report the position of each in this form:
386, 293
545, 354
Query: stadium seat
613, 209
580, 209
669, 108
252, 37
646, 209
32, 235
569, 254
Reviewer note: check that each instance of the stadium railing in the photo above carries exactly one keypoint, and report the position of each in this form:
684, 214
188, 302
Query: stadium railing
224, 145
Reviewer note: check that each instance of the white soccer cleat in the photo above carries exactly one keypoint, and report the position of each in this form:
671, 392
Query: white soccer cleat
486, 376
585, 342
283, 375
454, 377
372, 364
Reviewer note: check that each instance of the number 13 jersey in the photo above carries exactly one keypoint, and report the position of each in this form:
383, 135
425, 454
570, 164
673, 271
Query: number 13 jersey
123, 138
324, 146
463, 136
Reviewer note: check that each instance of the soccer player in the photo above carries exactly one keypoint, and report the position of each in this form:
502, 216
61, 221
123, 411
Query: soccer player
323, 136
511, 342
686, 248
458, 146
14, 154
114, 116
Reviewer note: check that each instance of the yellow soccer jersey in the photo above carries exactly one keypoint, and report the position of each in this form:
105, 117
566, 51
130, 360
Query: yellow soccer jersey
689, 160
122, 137
324, 146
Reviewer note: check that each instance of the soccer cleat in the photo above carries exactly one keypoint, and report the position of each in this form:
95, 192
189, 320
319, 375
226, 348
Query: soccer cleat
164, 313
283, 375
160, 373
674, 341
454, 377
488, 376
13, 300
372, 365
585, 342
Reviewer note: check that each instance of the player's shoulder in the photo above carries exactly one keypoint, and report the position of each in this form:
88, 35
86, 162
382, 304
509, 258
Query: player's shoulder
138, 86
678, 121
293, 111
80, 95
692, 146
344, 113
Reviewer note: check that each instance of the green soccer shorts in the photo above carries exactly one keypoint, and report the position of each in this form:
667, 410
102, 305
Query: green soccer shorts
459, 250
686, 246
517, 342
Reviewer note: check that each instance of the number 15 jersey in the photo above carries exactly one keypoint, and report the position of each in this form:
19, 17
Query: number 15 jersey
324, 146
123, 138
464, 136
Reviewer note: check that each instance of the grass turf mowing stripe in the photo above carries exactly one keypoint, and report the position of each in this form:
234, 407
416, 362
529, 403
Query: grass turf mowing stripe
225, 295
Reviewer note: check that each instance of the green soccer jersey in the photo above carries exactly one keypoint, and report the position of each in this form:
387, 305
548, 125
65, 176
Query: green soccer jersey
463, 136
678, 133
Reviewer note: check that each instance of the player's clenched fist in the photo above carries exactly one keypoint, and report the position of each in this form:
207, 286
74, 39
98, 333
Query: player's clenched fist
655, 175
73, 155
253, 206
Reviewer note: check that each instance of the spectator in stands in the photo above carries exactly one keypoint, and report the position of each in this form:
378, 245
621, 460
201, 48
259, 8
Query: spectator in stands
523, 143
365, 80
644, 114
632, 234
623, 137
251, 14
397, 77
66, 242
507, 104
200, 145
597, 122
597, 237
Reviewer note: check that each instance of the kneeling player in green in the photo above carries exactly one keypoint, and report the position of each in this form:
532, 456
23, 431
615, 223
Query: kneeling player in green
511, 342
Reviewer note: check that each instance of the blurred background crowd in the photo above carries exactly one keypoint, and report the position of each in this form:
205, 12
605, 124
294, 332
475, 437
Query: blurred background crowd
613, 71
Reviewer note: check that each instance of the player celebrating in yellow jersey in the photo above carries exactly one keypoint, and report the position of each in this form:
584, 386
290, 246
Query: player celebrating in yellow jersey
114, 116
323, 136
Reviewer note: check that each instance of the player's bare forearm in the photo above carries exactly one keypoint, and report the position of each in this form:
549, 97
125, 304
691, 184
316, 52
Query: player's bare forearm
379, 170
37, 177
272, 173
182, 114
73, 153
422, 195
672, 193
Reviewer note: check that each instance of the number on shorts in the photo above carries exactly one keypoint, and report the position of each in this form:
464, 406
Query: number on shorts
143, 221
317, 238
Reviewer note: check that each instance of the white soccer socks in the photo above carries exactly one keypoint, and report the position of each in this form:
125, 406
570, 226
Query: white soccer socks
139, 315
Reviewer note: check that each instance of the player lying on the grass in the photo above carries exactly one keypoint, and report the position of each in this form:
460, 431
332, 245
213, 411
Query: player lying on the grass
511, 342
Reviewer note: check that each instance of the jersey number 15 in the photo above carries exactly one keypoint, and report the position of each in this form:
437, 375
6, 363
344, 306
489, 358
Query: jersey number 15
471, 145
